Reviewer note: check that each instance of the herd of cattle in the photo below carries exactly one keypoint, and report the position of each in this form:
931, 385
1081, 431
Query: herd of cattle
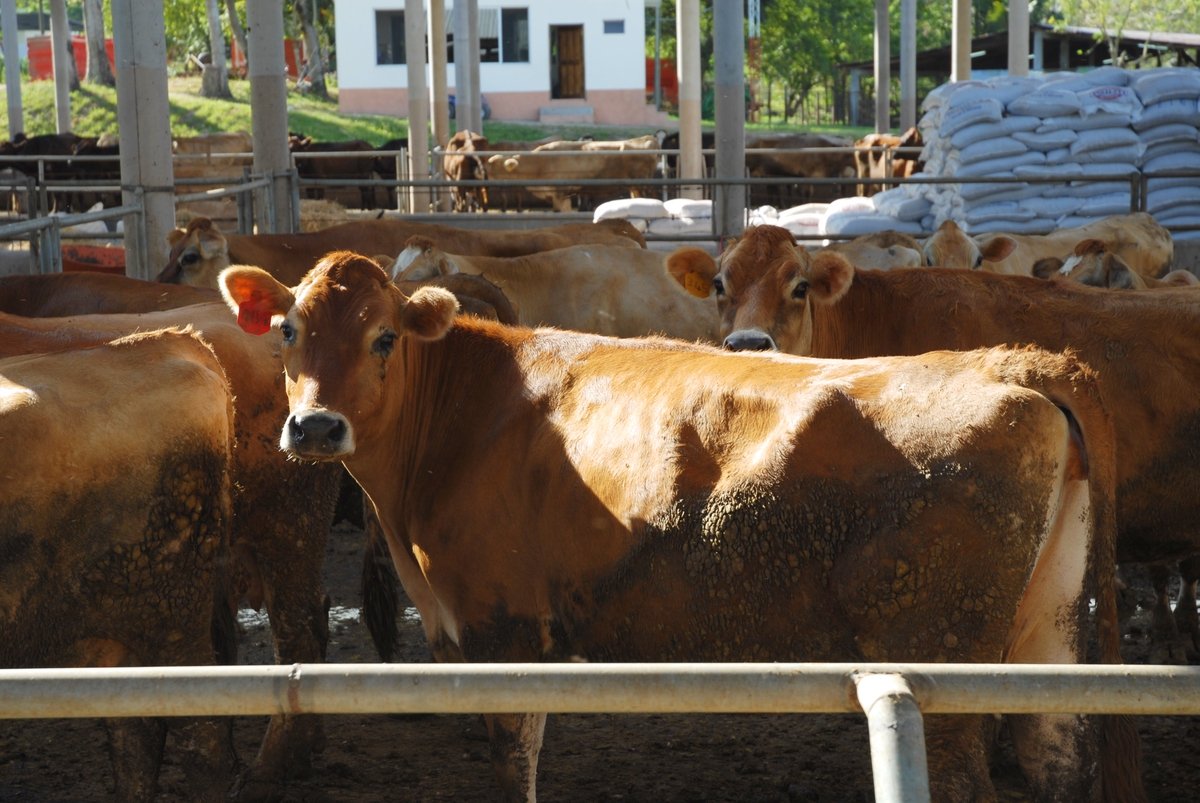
927, 464
226, 154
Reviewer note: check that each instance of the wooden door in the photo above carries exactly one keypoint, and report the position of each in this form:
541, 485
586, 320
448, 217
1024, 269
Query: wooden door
566, 61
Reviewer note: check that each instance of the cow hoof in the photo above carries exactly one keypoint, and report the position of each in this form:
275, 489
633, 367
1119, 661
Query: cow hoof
252, 790
1171, 651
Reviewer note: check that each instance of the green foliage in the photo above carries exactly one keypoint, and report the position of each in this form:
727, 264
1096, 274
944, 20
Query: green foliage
1115, 16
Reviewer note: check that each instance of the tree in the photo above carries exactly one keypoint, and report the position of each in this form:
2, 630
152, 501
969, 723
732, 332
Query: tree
313, 67
98, 69
804, 40
214, 82
1114, 17
235, 25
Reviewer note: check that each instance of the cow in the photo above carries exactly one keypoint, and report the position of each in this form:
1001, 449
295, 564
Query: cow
336, 167
819, 164
594, 160
282, 510
1145, 348
1145, 246
763, 508
870, 164
1093, 264
588, 288
54, 170
64, 294
883, 250
201, 252
114, 516
466, 168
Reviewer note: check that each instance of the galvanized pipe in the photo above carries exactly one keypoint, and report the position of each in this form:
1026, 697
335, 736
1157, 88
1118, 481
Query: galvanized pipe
12, 67
729, 202
589, 688
898, 762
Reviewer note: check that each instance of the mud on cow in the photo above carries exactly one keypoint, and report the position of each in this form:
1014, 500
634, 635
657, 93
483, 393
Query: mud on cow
114, 516
541, 491
1145, 348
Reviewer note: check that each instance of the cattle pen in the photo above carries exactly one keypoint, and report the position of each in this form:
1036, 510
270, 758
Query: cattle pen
894, 696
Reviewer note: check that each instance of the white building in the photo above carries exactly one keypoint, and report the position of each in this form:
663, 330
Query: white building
563, 60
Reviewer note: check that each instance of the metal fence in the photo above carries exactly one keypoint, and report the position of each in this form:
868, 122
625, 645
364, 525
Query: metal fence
893, 696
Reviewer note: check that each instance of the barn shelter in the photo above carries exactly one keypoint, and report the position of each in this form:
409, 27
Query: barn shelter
538, 60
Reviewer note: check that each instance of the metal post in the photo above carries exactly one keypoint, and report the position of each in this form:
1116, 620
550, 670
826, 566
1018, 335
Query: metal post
1018, 37
657, 55
898, 760
687, 50
144, 119
60, 34
294, 183
908, 64
729, 208
418, 100
268, 108
883, 68
12, 67
960, 45
1039, 50
476, 106
401, 192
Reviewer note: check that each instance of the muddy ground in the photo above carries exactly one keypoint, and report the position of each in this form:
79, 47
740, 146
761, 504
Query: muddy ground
585, 758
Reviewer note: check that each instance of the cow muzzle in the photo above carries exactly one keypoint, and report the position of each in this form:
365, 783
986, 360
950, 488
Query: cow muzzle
318, 435
750, 340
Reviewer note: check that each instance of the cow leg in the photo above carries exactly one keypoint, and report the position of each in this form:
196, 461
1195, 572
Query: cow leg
515, 741
957, 749
136, 748
1186, 617
289, 523
209, 760
1168, 645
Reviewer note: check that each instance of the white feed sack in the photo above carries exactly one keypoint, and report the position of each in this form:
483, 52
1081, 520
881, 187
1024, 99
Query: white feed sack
627, 208
687, 207
681, 225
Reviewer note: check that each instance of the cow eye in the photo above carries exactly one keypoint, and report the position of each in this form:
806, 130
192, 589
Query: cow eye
978, 262
190, 258
800, 290
288, 331
718, 287
384, 344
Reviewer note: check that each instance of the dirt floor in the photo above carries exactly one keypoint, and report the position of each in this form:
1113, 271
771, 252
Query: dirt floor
585, 758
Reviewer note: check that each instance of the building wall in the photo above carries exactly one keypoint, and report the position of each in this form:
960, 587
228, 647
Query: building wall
614, 64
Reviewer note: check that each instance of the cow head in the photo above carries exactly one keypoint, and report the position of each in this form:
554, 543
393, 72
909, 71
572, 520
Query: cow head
1091, 263
340, 326
950, 247
421, 260
198, 255
766, 286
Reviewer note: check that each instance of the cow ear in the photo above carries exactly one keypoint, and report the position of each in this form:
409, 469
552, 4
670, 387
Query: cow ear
1181, 278
694, 269
212, 244
1046, 267
385, 262
1119, 276
255, 296
175, 236
998, 248
429, 313
829, 277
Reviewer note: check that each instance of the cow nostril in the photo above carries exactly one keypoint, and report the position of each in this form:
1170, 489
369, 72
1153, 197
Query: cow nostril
295, 430
749, 341
336, 432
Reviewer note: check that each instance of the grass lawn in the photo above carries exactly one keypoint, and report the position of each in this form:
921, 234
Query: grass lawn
94, 112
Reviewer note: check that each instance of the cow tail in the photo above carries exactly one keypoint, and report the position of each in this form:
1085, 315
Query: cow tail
1076, 391
380, 589
223, 628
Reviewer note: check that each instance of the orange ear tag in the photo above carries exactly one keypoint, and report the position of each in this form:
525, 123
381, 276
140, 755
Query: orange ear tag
696, 285
253, 315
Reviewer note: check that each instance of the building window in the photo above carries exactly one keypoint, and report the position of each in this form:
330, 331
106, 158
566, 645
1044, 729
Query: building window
514, 28
389, 37
614, 26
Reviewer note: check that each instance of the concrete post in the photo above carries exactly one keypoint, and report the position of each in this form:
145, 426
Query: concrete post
144, 122
60, 34
464, 117
12, 67
473, 52
729, 51
687, 48
960, 44
658, 55
418, 101
883, 68
439, 102
855, 94
1039, 50
268, 108
1018, 37
908, 64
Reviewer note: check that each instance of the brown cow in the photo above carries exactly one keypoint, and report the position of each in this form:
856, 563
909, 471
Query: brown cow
884, 250
666, 477
870, 164
1093, 264
466, 168
340, 168
588, 288
282, 509
1144, 346
1145, 246
114, 517
201, 252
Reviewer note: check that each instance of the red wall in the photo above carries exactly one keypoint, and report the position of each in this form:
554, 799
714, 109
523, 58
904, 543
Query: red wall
41, 62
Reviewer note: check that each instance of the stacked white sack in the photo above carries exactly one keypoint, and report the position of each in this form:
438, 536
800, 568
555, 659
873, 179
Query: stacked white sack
1065, 126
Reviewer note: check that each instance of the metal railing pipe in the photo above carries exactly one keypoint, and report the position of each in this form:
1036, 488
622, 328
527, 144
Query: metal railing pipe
898, 762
